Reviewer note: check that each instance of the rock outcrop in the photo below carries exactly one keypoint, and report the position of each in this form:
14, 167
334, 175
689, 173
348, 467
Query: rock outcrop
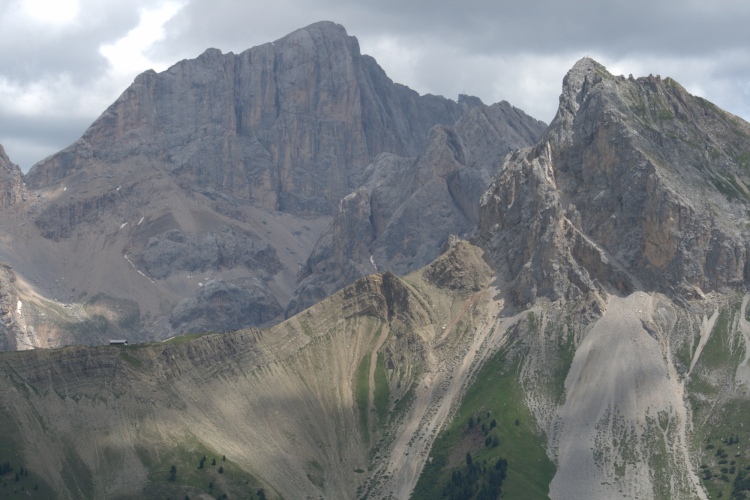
176, 251
11, 180
460, 268
10, 330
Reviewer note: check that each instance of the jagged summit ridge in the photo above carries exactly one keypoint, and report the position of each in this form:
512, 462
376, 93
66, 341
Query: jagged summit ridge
577, 80
576, 83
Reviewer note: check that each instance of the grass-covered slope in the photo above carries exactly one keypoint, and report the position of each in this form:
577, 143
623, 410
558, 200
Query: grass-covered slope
313, 406
493, 424
719, 394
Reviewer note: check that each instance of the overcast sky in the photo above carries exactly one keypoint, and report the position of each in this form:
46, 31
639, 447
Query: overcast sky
62, 62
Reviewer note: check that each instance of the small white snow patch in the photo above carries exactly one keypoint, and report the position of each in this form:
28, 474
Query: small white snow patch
118, 187
373, 263
139, 222
65, 189
123, 225
18, 308
137, 270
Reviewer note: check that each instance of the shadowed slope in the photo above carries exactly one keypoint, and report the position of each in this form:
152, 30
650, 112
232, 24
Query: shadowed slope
279, 403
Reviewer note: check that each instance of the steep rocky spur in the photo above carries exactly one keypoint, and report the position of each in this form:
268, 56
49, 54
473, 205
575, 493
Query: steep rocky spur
407, 208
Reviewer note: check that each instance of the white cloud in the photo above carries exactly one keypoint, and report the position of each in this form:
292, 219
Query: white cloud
398, 60
129, 55
59, 95
28, 150
50, 96
55, 13
531, 82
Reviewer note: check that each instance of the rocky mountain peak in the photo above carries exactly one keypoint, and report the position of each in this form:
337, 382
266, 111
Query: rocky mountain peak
635, 184
408, 207
318, 31
211, 184
577, 82
288, 125
585, 68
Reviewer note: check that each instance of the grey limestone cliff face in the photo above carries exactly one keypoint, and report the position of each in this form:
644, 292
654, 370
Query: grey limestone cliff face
288, 125
636, 183
407, 208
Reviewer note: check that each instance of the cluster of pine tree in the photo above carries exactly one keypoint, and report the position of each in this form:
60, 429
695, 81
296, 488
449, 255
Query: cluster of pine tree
476, 480
741, 486
733, 439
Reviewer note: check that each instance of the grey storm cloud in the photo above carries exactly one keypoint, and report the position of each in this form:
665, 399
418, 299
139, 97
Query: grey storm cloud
56, 128
669, 27
517, 51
